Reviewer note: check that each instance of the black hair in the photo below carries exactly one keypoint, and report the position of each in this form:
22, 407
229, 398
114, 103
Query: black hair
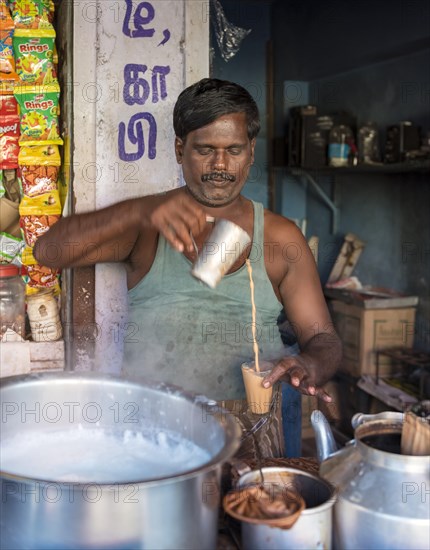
206, 100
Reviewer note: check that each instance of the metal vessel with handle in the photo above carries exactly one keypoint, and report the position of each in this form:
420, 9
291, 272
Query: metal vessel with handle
383, 496
176, 511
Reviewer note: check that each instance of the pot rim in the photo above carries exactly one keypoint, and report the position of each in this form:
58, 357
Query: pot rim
231, 429
329, 503
380, 456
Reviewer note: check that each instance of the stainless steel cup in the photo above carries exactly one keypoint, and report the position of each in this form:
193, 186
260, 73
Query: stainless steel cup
313, 529
220, 250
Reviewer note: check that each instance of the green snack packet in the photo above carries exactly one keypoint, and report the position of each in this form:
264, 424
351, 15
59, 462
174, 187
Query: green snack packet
2, 189
39, 114
34, 50
32, 14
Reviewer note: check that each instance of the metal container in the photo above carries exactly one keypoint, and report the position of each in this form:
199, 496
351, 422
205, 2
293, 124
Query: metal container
313, 529
221, 249
384, 497
178, 511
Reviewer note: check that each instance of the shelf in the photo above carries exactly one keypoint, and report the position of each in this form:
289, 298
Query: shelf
421, 166
310, 175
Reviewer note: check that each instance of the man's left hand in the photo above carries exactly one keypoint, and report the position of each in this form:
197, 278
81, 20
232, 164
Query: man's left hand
296, 372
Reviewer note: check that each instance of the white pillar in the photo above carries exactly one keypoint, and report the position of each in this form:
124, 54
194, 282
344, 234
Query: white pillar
131, 60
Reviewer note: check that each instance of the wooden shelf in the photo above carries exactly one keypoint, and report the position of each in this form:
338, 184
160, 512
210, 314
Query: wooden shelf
418, 166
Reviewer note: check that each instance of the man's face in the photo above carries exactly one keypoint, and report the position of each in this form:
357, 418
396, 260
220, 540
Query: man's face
216, 159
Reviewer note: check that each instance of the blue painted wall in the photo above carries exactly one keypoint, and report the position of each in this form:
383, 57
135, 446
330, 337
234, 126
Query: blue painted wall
373, 59
248, 68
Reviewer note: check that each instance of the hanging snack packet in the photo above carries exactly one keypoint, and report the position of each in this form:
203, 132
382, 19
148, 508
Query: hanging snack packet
38, 214
9, 138
10, 249
39, 114
7, 60
8, 105
6, 21
37, 180
37, 276
32, 14
34, 51
9, 132
38, 169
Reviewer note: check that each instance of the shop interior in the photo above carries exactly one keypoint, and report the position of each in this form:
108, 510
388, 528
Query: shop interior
343, 151
366, 62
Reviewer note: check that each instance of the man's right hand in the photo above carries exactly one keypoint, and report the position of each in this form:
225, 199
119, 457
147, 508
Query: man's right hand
175, 217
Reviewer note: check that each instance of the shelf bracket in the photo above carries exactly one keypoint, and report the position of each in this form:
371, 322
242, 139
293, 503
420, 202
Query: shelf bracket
331, 205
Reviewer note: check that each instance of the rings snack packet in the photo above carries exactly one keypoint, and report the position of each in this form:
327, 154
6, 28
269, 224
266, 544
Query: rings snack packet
34, 51
32, 14
37, 276
39, 114
38, 214
39, 169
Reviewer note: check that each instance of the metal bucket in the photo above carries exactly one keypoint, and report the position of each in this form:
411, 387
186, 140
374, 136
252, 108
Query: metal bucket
177, 511
313, 529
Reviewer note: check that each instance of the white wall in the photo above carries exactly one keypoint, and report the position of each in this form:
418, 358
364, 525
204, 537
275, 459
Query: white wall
131, 59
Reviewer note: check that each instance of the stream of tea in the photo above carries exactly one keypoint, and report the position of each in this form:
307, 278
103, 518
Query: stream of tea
254, 315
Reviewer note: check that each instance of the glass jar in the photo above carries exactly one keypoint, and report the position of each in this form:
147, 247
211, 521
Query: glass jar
12, 303
368, 144
339, 150
43, 314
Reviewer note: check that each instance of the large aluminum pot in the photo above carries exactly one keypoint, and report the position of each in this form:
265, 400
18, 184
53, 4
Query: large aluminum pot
313, 529
384, 497
178, 511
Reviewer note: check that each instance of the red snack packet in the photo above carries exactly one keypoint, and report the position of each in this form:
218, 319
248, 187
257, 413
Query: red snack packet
8, 106
9, 138
35, 226
36, 180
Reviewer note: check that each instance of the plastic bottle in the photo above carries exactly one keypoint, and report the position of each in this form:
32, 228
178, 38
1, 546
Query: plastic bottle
12, 303
339, 149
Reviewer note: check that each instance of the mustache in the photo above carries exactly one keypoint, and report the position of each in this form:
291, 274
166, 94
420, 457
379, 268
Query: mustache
218, 175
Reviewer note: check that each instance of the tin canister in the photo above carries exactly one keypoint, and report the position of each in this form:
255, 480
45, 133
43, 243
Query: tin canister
43, 314
221, 249
313, 529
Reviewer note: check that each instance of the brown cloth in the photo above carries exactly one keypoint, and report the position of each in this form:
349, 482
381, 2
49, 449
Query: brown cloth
262, 434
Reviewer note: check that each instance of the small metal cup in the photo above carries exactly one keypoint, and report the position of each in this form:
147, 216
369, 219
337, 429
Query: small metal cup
220, 250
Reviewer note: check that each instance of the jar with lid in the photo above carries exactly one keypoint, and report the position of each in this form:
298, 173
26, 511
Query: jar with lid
42, 309
341, 139
368, 144
12, 303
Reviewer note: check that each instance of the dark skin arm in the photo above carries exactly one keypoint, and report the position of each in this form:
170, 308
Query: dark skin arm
128, 232
120, 232
301, 294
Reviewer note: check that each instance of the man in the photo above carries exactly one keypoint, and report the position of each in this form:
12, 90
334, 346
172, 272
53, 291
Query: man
181, 331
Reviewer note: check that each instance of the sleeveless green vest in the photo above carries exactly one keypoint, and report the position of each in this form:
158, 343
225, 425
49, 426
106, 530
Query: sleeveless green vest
182, 332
